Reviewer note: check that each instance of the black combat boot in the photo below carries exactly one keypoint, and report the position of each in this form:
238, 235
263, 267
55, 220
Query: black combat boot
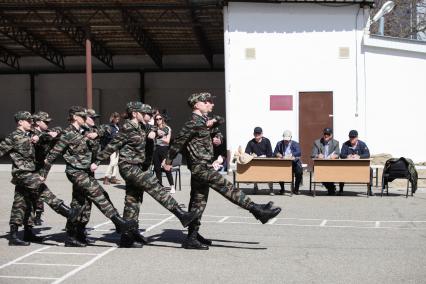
80, 234
38, 221
29, 236
13, 237
185, 217
70, 213
191, 242
128, 241
123, 226
72, 240
138, 236
204, 241
264, 212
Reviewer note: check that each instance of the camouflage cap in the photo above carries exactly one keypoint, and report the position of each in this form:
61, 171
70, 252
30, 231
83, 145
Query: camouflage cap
134, 106
42, 116
146, 109
78, 110
23, 115
199, 97
139, 107
92, 113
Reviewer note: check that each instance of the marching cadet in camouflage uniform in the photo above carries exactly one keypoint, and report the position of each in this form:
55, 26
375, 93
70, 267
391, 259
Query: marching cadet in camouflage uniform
78, 157
94, 134
30, 183
48, 138
131, 143
195, 139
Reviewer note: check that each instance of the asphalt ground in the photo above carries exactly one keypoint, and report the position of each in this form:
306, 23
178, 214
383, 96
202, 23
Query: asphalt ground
326, 239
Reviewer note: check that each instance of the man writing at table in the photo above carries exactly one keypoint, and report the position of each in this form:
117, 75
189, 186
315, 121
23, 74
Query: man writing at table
290, 149
353, 149
326, 148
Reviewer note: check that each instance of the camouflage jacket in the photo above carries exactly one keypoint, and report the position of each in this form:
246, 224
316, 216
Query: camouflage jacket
195, 140
21, 150
130, 141
74, 147
95, 144
42, 148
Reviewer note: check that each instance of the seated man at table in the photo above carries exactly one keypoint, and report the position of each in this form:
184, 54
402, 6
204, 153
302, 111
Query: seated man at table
288, 148
261, 146
326, 148
353, 149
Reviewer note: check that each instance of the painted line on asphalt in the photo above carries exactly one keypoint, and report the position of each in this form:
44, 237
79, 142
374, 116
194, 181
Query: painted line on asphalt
377, 224
46, 264
223, 219
272, 221
323, 223
101, 224
81, 267
65, 253
24, 256
99, 256
27, 277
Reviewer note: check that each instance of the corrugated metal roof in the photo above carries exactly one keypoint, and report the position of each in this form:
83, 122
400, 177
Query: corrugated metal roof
54, 29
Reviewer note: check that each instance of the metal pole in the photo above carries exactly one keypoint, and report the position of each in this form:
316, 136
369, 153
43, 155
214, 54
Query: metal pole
32, 92
142, 86
89, 79
382, 26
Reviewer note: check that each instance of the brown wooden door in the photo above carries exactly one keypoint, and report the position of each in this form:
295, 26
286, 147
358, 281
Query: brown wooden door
315, 114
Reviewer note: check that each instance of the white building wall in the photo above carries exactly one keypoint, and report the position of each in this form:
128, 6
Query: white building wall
297, 50
396, 97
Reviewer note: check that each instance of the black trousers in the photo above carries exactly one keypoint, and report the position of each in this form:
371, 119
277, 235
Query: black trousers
298, 174
160, 154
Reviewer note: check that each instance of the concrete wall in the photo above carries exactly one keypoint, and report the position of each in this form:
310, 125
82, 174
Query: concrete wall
296, 50
55, 93
170, 91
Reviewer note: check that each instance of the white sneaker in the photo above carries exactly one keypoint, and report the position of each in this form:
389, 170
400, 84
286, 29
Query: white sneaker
172, 189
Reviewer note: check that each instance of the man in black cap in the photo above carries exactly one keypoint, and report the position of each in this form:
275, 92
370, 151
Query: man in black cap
261, 146
326, 148
353, 149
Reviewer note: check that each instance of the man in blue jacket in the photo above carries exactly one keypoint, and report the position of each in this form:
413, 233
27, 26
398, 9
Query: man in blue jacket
353, 149
288, 148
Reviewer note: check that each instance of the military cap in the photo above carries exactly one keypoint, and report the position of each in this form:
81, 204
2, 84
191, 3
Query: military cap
139, 107
78, 110
42, 116
146, 109
92, 113
134, 106
23, 115
199, 97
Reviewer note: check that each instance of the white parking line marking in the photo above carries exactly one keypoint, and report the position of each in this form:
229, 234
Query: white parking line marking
87, 264
93, 260
46, 264
272, 221
377, 224
323, 223
58, 252
223, 219
24, 256
101, 224
27, 277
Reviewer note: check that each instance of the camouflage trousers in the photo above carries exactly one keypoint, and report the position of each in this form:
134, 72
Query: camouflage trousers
86, 190
138, 181
79, 199
204, 176
29, 189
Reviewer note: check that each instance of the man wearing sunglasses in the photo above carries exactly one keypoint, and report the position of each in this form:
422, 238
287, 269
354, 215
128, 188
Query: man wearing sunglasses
326, 148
